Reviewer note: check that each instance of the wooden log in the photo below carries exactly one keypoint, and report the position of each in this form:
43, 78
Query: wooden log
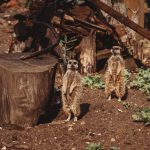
136, 5
103, 54
56, 20
88, 53
26, 88
82, 12
126, 21
85, 23
75, 29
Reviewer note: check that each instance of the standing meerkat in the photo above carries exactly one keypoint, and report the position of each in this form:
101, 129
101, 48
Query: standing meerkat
71, 90
114, 76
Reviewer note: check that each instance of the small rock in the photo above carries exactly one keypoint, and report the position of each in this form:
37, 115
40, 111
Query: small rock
73, 148
82, 122
91, 134
113, 140
87, 142
120, 110
55, 138
1, 128
3, 148
70, 129
70, 125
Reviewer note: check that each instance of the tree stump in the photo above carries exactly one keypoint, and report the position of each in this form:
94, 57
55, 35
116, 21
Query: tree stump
26, 88
87, 49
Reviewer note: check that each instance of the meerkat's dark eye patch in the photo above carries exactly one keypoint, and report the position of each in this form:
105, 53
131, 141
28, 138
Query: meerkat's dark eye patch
69, 62
75, 63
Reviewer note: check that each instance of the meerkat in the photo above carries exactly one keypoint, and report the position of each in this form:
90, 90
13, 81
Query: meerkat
71, 90
114, 76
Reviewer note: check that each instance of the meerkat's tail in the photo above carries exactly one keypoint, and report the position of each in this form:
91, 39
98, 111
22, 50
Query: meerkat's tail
120, 89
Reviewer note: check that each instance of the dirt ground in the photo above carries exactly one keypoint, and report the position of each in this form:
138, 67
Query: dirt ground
101, 121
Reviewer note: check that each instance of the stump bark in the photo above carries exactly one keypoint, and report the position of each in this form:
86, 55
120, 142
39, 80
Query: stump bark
26, 88
87, 49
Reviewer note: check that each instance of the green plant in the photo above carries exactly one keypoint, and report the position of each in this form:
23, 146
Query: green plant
126, 105
67, 43
127, 76
142, 115
142, 81
93, 81
94, 146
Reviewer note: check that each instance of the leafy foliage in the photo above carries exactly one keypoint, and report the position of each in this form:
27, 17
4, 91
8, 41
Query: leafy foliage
126, 105
66, 44
93, 81
127, 76
142, 81
94, 146
142, 115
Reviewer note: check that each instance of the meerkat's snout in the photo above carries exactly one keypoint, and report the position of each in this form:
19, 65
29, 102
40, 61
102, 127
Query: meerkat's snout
116, 50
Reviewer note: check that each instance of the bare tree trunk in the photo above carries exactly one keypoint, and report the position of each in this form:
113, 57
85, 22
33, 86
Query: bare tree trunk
88, 53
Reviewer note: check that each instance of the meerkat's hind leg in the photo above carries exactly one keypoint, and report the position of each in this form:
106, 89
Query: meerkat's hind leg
75, 118
67, 111
76, 110
69, 117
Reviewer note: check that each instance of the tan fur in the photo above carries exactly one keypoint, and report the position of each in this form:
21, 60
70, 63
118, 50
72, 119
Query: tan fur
114, 77
144, 50
71, 93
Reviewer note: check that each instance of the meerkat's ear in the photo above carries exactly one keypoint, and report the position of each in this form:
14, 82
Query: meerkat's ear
119, 50
111, 50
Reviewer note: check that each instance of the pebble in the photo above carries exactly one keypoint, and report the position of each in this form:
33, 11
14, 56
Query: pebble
87, 142
113, 140
120, 110
4, 148
82, 123
70, 129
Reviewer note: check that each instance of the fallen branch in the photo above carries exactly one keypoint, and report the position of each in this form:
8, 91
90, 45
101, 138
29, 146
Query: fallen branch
91, 25
103, 54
